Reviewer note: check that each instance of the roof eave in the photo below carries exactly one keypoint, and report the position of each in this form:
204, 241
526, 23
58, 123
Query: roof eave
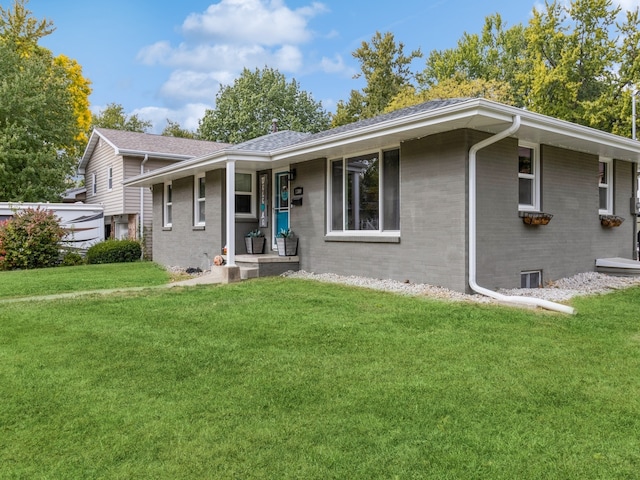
212, 161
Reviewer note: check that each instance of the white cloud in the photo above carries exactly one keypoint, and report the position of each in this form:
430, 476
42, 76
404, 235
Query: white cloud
336, 65
229, 36
187, 116
253, 21
221, 57
626, 4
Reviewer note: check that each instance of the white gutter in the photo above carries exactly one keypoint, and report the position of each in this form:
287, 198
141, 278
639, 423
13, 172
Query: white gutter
537, 302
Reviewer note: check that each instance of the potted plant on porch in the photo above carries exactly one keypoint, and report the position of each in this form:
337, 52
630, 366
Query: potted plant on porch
287, 243
254, 241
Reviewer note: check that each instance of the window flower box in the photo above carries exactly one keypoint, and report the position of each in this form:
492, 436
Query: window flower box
535, 218
610, 221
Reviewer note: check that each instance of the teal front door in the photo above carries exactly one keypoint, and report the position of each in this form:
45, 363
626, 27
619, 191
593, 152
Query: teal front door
281, 203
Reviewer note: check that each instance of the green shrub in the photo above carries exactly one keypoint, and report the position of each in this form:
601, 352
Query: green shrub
71, 259
114, 251
30, 240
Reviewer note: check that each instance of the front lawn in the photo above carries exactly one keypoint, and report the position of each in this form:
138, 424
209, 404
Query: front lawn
284, 378
48, 281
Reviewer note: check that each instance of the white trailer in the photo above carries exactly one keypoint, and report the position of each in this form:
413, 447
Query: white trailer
83, 223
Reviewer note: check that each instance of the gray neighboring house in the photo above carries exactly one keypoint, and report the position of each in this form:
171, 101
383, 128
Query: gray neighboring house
112, 156
457, 193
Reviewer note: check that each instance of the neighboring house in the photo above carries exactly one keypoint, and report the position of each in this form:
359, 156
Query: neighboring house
447, 193
112, 156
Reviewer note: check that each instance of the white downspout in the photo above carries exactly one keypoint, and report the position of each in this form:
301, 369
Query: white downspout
231, 213
146, 157
537, 302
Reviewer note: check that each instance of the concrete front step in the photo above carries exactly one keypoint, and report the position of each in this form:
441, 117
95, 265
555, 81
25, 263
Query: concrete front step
248, 272
266, 265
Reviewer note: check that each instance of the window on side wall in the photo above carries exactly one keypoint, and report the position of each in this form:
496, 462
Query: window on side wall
605, 186
245, 194
365, 193
110, 178
168, 204
199, 201
94, 183
528, 177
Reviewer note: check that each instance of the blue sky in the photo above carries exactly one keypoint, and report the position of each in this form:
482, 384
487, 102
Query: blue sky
167, 59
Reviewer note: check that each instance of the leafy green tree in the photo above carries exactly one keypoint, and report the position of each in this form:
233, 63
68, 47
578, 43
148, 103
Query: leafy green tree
37, 127
387, 71
115, 118
19, 29
492, 56
43, 110
246, 109
173, 129
573, 61
455, 87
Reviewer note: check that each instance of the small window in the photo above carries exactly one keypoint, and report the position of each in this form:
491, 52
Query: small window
168, 204
199, 203
531, 279
110, 178
245, 194
528, 178
94, 183
605, 186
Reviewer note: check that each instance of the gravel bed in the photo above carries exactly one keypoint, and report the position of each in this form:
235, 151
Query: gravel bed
589, 283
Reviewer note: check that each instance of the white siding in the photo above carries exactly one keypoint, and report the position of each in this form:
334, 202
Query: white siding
104, 157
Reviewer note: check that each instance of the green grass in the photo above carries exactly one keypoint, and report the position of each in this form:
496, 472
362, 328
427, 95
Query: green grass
281, 378
48, 281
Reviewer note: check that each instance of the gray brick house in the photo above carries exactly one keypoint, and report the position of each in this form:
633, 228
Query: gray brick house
457, 193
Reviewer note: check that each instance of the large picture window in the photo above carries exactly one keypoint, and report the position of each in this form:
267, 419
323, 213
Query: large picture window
528, 178
365, 192
605, 186
199, 196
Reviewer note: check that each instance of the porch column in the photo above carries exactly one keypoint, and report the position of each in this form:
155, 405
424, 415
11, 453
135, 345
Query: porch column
231, 213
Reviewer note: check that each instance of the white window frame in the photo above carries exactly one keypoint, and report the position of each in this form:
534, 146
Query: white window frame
197, 200
167, 210
535, 176
94, 183
608, 163
252, 193
109, 178
381, 232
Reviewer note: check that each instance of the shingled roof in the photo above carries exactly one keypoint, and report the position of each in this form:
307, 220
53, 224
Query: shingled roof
156, 146
285, 138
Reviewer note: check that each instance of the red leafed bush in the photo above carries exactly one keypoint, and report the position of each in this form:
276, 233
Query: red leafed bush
30, 240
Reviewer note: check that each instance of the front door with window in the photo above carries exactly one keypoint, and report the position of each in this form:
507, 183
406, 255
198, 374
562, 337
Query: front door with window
280, 203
